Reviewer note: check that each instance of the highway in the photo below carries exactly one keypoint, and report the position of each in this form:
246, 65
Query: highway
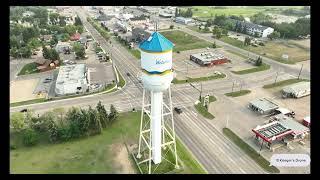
213, 150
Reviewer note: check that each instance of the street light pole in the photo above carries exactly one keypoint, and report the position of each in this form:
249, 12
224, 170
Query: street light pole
276, 77
300, 71
232, 85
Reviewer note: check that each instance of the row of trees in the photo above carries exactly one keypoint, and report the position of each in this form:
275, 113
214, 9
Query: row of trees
61, 126
187, 13
51, 54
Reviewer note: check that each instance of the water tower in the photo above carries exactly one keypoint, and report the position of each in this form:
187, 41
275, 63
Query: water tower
157, 125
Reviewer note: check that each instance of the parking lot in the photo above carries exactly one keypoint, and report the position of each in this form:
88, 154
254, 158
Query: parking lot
100, 73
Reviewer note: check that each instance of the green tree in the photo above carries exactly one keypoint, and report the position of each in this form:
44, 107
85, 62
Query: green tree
171, 26
30, 137
25, 52
59, 111
45, 52
54, 18
17, 121
54, 55
247, 41
102, 114
95, 126
34, 43
30, 32
53, 131
77, 21
274, 35
214, 45
258, 61
62, 21
79, 50
70, 29
113, 115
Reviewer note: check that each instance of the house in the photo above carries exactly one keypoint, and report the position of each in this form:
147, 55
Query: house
139, 34
183, 20
46, 38
254, 29
135, 21
44, 64
62, 46
75, 37
28, 14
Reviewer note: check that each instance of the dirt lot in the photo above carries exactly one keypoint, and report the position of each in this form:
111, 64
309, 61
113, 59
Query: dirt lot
22, 90
121, 158
304, 43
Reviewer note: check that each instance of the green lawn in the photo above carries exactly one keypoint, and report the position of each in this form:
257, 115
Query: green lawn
122, 82
261, 161
283, 83
274, 50
202, 110
190, 80
195, 28
263, 67
238, 93
33, 101
88, 155
206, 12
29, 69
134, 52
184, 41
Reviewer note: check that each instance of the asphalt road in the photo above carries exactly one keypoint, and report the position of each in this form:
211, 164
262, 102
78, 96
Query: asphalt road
213, 150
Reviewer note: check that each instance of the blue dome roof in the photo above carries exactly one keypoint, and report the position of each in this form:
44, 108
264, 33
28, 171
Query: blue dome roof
156, 43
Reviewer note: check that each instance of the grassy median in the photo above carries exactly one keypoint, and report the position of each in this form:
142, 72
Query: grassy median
261, 161
238, 93
203, 110
284, 83
29, 68
190, 80
263, 67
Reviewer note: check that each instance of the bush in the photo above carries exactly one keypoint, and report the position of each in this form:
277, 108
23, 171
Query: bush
13, 147
30, 137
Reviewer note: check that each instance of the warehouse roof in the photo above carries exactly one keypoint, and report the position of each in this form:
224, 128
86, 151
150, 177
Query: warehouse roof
294, 125
295, 88
156, 43
264, 104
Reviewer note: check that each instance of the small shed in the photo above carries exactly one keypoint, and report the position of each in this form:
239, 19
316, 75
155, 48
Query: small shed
263, 106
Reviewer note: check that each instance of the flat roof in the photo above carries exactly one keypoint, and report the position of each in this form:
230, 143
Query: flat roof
292, 124
264, 104
272, 131
298, 87
208, 56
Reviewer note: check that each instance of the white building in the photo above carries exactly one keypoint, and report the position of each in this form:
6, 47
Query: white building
72, 79
28, 14
61, 46
183, 20
252, 29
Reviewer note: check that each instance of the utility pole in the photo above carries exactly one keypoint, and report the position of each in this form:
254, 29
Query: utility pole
276, 77
227, 121
300, 71
232, 86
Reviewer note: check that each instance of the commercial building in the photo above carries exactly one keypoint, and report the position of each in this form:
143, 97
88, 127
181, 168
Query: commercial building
255, 29
263, 106
72, 79
297, 90
183, 20
123, 26
135, 21
283, 129
208, 58
139, 34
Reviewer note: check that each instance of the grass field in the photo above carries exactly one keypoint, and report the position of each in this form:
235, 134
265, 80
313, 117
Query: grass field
250, 151
184, 41
87, 155
205, 12
29, 69
238, 93
274, 50
195, 28
202, 110
190, 80
33, 101
263, 67
283, 83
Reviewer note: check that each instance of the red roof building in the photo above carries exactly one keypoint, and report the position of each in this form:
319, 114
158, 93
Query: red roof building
75, 37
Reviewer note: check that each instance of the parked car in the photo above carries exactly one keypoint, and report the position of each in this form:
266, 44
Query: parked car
178, 110
24, 110
128, 74
47, 81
